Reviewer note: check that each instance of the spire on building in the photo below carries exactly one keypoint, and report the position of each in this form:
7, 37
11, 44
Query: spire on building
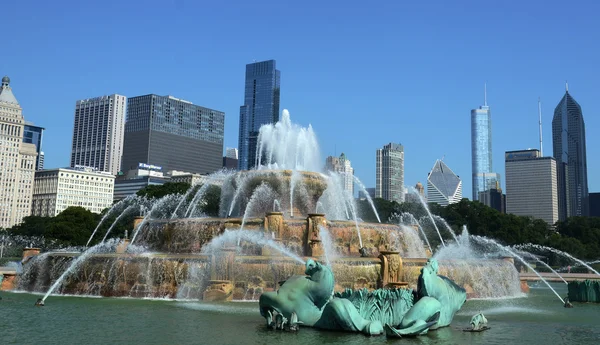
566, 86
485, 94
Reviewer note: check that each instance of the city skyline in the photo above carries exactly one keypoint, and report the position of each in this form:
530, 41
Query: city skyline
317, 87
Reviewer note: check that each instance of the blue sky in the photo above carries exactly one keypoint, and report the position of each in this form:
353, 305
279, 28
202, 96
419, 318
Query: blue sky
362, 73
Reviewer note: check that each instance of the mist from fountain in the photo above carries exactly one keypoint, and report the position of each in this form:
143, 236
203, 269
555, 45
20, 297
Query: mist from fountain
285, 145
124, 213
414, 247
293, 181
156, 207
529, 255
485, 240
108, 213
276, 206
264, 195
424, 204
328, 245
334, 199
184, 198
411, 220
559, 252
367, 195
229, 237
319, 204
446, 225
111, 244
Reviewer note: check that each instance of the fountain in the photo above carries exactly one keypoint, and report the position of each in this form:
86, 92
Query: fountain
272, 220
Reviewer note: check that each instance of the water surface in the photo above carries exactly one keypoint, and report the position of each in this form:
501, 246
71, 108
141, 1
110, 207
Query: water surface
538, 318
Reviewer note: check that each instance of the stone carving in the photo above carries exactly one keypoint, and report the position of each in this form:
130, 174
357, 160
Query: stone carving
309, 300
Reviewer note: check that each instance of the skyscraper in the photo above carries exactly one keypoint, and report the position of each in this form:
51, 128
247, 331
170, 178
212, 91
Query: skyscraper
444, 187
17, 161
174, 134
481, 149
33, 135
98, 133
568, 143
390, 173
261, 106
531, 188
342, 166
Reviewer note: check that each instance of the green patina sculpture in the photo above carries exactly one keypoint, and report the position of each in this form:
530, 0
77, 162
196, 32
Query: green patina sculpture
584, 291
309, 300
478, 323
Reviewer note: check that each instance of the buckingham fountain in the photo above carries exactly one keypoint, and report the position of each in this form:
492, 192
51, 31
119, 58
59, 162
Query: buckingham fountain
289, 236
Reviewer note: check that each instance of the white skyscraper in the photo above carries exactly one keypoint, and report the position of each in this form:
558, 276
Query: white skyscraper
17, 161
342, 166
531, 185
98, 133
444, 187
390, 173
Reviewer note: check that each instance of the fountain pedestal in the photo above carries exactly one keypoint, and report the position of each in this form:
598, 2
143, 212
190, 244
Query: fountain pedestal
8, 282
313, 238
391, 268
28, 253
274, 223
315, 248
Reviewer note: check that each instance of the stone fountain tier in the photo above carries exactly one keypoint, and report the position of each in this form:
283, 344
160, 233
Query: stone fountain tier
227, 275
308, 188
300, 236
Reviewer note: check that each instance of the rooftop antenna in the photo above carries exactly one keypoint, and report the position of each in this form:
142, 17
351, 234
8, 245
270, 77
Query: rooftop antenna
567, 85
540, 116
485, 94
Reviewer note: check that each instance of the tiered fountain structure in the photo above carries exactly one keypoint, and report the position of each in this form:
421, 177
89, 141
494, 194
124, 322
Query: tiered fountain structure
271, 220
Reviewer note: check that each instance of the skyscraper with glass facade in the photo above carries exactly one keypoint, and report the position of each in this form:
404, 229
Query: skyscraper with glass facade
444, 187
33, 135
174, 134
261, 106
568, 143
389, 183
481, 150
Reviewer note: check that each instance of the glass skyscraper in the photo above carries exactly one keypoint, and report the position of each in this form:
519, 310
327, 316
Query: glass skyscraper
261, 106
174, 134
481, 151
33, 135
568, 143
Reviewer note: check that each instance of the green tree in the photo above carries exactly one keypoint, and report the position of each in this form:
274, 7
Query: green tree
159, 191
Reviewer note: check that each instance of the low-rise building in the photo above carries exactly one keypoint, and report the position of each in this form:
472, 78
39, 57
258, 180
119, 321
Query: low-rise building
56, 189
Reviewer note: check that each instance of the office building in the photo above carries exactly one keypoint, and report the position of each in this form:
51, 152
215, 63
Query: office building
174, 134
568, 143
494, 199
444, 187
343, 167
230, 160
140, 177
33, 135
481, 150
55, 190
17, 161
531, 185
594, 204
261, 106
389, 184
98, 133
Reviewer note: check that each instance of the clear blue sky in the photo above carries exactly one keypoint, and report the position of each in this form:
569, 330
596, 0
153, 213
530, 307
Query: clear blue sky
362, 73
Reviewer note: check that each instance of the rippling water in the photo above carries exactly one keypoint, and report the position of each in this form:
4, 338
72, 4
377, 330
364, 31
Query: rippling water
536, 319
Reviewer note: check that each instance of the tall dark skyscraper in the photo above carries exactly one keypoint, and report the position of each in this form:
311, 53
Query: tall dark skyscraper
33, 135
173, 134
568, 142
261, 106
